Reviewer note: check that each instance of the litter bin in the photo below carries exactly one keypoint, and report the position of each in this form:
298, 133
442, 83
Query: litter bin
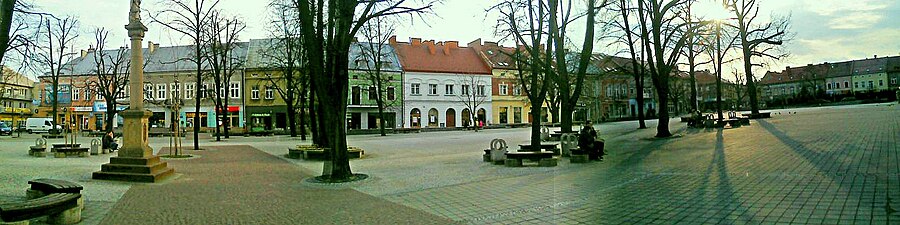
96, 144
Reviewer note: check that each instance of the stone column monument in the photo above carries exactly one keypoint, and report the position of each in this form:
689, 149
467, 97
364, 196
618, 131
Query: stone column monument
135, 161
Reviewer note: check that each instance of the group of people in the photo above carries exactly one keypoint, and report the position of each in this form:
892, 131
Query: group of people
588, 141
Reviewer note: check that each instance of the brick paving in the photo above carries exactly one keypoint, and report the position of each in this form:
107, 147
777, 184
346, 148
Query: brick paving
241, 185
831, 165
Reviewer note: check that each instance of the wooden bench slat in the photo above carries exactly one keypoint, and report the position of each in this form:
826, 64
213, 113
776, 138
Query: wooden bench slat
29, 209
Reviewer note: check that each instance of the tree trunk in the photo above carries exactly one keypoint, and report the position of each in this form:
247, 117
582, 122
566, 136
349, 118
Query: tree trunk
536, 126
6, 13
226, 121
381, 115
110, 114
566, 118
639, 83
197, 105
662, 129
301, 123
314, 116
292, 115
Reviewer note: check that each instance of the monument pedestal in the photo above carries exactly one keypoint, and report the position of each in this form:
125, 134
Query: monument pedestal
135, 161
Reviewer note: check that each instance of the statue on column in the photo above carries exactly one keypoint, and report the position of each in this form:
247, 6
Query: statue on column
135, 13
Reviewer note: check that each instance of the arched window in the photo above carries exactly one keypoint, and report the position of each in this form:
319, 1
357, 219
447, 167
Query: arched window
415, 118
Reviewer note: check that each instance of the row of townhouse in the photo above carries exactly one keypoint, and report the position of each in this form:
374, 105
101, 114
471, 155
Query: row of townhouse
839, 79
427, 84
16, 94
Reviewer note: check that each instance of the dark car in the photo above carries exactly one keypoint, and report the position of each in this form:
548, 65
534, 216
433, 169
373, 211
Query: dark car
5, 130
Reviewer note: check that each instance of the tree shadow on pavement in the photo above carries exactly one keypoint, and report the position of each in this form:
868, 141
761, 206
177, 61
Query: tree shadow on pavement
725, 195
826, 164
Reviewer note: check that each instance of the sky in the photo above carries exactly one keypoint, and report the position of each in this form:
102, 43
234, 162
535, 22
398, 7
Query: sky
824, 30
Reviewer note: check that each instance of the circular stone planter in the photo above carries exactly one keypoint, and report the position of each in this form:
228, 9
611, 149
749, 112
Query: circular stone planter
179, 157
327, 180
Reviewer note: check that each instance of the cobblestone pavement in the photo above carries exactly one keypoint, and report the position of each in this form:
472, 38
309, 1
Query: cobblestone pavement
829, 165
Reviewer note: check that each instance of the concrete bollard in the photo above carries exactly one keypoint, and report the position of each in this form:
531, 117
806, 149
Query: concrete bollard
498, 150
95, 146
545, 133
568, 141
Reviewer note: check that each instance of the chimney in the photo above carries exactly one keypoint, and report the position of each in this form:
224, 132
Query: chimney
450, 45
83, 53
392, 40
430, 45
355, 39
876, 56
415, 41
151, 47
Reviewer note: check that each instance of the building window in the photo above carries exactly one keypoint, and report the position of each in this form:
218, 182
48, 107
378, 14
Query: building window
893, 80
503, 90
448, 89
270, 93
480, 90
880, 82
517, 114
414, 89
204, 91
188, 91
465, 90
173, 90
254, 92
390, 94
517, 90
855, 84
161, 89
234, 90
99, 96
148, 91
870, 84
829, 87
373, 92
432, 89
76, 93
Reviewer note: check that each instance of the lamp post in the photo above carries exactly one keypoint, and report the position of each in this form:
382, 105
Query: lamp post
135, 161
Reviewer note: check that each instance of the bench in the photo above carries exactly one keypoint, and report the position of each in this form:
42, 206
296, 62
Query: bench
550, 147
61, 208
578, 156
406, 130
310, 152
261, 133
55, 186
514, 159
63, 152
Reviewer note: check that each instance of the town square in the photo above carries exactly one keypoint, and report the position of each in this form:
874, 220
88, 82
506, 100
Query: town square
404, 112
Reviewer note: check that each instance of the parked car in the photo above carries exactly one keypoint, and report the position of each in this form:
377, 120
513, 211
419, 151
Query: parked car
5, 130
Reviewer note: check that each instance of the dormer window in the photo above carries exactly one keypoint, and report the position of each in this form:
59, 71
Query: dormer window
489, 52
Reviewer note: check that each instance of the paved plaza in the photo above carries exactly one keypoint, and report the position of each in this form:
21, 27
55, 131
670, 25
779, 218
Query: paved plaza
829, 165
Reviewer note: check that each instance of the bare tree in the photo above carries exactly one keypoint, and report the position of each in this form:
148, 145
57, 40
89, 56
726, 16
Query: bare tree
57, 34
326, 43
694, 47
757, 39
377, 33
739, 92
524, 21
565, 77
473, 95
662, 34
222, 35
630, 36
189, 18
284, 53
717, 51
111, 71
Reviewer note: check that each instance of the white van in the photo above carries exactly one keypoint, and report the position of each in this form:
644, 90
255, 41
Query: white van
34, 125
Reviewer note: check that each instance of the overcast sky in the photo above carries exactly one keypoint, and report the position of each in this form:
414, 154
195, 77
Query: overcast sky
826, 30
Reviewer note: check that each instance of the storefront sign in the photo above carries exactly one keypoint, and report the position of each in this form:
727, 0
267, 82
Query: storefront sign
82, 109
260, 115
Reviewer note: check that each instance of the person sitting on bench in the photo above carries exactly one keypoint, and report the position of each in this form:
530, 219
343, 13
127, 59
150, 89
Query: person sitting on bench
587, 140
109, 142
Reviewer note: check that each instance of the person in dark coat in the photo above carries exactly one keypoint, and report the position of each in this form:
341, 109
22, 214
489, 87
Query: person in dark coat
587, 140
109, 142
